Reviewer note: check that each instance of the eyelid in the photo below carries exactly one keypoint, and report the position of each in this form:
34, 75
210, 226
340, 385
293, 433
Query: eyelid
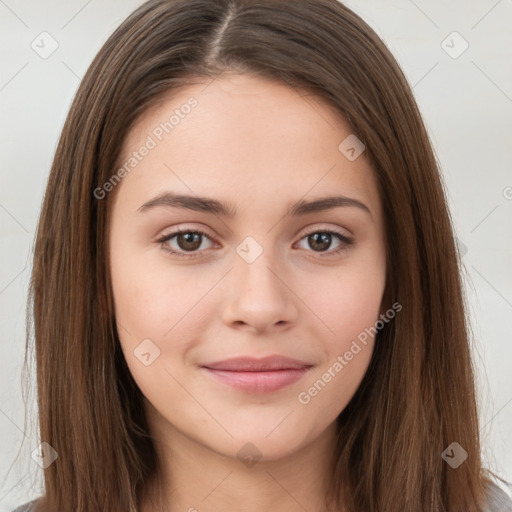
322, 227
168, 236
346, 240
185, 228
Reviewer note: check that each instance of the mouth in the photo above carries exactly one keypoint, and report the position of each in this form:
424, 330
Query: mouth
253, 375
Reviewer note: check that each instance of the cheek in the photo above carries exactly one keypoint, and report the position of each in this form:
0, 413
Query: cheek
140, 300
170, 305
151, 295
348, 301
350, 306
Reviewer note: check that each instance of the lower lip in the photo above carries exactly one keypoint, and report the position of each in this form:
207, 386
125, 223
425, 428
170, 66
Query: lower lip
259, 382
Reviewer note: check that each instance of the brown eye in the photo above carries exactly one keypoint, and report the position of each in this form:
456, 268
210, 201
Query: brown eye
186, 241
189, 241
321, 241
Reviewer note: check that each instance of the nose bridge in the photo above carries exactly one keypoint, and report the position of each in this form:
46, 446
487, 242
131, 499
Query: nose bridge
258, 276
259, 296
256, 267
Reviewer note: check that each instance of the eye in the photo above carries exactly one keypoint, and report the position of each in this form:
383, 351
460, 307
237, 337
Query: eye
189, 241
319, 241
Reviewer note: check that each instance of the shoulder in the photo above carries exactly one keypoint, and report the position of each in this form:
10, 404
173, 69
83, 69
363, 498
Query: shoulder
26, 507
498, 500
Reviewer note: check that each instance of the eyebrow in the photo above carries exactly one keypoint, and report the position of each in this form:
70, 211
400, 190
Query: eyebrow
209, 205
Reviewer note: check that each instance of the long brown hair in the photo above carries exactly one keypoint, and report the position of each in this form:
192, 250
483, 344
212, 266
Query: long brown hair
418, 394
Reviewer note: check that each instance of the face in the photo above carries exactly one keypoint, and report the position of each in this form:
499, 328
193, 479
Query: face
254, 272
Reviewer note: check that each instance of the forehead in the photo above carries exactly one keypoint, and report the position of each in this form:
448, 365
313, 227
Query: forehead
244, 137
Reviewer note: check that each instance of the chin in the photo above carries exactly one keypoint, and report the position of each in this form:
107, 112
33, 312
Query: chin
261, 443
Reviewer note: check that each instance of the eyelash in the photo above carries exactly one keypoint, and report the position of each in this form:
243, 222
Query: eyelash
346, 242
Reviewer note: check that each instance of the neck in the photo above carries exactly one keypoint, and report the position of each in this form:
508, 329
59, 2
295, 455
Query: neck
193, 477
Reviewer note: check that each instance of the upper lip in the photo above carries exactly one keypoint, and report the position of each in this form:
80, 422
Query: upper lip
253, 364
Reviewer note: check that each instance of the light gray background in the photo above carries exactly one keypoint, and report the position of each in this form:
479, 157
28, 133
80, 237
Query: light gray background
466, 103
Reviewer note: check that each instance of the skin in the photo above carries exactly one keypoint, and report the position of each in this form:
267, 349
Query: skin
260, 146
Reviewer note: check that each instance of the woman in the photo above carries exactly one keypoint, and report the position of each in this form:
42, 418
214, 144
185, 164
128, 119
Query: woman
245, 285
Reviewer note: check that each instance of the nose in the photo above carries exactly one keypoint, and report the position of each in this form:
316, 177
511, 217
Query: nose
260, 297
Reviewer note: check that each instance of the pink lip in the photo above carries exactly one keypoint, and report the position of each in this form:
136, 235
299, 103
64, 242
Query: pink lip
258, 375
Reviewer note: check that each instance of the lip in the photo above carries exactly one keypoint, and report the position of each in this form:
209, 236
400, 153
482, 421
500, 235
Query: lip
254, 375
